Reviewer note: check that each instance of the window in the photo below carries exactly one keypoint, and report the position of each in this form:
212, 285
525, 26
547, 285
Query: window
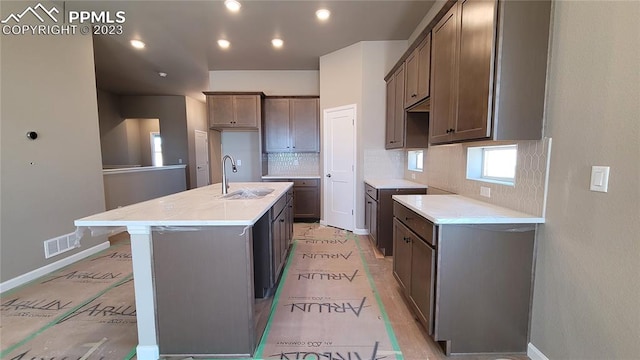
415, 160
495, 164
156, 149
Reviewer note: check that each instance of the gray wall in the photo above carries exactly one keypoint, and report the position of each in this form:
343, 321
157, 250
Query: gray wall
587, 293
113, 131
125, 187
172, 113
244, 146
48, 86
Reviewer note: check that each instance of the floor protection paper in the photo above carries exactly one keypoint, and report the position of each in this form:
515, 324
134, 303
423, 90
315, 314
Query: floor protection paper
326, 306
41, 319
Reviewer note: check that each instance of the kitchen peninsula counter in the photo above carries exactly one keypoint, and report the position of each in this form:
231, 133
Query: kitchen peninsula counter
193, 268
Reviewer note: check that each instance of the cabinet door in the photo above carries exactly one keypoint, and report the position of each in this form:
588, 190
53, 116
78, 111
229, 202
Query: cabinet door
424, 67
276, 125
306, 202
367, 213
411, 83
402, 255
443, 65
374, 222
247, 110
398, 125
422, 279
391, 113
220, 110
477, 33
305, 125
284, 246
275, 249
289, 223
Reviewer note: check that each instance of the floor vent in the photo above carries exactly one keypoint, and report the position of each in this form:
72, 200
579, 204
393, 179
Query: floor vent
59, 245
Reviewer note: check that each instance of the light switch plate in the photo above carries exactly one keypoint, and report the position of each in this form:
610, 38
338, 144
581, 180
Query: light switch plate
599, 178
239, 162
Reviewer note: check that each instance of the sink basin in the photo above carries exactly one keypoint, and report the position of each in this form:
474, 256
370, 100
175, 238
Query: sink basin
247, 193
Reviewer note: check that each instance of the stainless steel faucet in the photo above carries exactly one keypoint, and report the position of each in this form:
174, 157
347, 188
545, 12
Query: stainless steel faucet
225, 182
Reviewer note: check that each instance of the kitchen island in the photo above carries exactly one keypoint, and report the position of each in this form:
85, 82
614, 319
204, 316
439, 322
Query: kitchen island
193, 266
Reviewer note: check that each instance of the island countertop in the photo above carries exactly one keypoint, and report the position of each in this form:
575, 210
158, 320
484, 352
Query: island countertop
203, 206
457, 209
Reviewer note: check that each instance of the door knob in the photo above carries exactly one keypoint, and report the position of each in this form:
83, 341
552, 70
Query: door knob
328, 175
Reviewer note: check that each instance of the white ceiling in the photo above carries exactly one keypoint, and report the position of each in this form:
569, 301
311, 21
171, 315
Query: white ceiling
181, 38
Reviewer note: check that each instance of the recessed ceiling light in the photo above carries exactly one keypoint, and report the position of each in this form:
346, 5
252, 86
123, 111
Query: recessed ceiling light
224, 43
137, 44
232, 5
162, 74
277, 43
323, 14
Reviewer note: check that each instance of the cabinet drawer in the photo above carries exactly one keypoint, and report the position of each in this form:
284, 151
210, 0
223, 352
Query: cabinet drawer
371, 191
278, 206
421, 226
305, 182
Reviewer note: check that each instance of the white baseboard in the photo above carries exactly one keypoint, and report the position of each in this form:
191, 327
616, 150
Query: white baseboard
361, 231
49, 268
534, 354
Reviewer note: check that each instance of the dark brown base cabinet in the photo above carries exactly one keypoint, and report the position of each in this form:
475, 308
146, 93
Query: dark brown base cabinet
469, 285
306, 198
378, 215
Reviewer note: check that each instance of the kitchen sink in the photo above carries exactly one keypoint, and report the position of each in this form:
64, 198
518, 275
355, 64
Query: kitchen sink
247, 193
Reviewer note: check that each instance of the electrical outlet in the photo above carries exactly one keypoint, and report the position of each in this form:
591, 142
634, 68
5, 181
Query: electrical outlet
413, 176
485, 191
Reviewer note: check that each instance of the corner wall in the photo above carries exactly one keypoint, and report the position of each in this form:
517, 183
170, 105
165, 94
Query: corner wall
49, 87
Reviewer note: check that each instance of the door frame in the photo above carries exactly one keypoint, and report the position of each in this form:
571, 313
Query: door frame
195, 140
325, 146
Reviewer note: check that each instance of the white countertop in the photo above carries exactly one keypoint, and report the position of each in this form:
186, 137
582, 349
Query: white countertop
198, 207
266, 177
394, 184
457, 209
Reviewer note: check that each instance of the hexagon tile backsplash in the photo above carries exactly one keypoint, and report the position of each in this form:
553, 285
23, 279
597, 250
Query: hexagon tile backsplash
446, 169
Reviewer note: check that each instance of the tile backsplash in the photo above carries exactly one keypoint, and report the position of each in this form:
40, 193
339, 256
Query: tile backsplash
384, 164
294, 164
445, 168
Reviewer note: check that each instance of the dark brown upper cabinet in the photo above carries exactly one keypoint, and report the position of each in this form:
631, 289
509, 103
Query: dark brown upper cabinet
418, 70
234, 110
291, 124
488, 71
394, 134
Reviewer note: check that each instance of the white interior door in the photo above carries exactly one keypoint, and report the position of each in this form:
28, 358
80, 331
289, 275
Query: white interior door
339, 162
202, 158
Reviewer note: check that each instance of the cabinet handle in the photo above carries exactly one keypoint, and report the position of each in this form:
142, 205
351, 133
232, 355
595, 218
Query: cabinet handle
281, 220
368, 202
414, 95
406, 239
407, 218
